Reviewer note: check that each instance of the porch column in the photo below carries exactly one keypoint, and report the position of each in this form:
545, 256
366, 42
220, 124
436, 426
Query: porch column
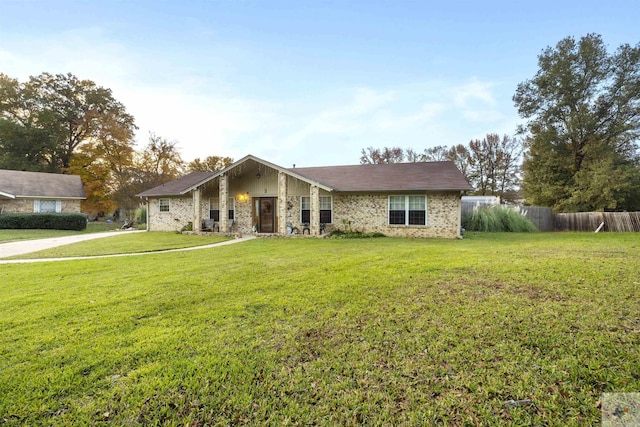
315, 211
282, 203
197, 211
222, 203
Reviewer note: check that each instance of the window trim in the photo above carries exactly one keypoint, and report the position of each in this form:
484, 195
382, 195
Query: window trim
231, 208
38, 202
213, 215
407, 210
161, 205
302, 210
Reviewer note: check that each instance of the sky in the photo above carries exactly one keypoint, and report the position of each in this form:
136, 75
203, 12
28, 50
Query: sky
309, 83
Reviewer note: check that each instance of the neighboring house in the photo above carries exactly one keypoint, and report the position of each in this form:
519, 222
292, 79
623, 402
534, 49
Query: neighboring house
255, 196
39, 192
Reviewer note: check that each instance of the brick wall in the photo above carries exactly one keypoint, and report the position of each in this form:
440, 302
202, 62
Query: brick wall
366, 212
26, 205
179, 215
369, 213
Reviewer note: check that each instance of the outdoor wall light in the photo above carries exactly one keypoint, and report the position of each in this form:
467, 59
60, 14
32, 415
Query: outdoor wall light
258, 175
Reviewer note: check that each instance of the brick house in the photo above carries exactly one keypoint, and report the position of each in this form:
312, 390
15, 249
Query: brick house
256, 196
39, 192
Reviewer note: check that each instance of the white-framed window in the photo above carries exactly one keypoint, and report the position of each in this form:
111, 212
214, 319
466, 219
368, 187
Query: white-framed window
326, 209
164, 205
214, 209
46, 206
231, 206
305, 209
408, 210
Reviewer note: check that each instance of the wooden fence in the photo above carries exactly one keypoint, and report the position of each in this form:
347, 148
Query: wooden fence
590, 221
545, 220
540, 216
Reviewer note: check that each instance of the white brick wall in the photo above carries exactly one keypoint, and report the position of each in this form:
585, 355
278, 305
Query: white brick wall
179, 215
26, 205
366, 212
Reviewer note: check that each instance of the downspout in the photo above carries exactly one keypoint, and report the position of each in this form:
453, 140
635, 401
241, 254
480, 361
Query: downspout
460, 215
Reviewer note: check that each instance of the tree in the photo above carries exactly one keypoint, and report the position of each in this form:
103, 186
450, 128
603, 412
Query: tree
25, 148
583, 112
491, 165
159, 162
459, 155
209, 164
70, 111
494, 164
385, 155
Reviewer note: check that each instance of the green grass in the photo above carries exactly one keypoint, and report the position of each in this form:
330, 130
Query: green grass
126, 243
326, 332
92, 227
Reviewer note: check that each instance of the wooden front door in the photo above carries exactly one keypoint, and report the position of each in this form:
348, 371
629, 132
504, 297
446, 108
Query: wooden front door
266, 208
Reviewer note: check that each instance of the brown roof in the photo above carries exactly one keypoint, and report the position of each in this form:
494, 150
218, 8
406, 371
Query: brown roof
37, 184
178, 186
429, 176
389, 177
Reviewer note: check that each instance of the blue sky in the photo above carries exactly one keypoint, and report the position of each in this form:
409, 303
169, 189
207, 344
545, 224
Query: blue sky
304, 82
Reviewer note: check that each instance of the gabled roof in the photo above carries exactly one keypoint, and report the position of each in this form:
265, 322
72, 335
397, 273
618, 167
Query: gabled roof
40, 185
192, 180
179, 186
430, 176
424, 176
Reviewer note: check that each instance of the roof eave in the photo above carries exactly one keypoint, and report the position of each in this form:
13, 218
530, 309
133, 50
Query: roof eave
398, 190
52, 197
276, 167
198, 184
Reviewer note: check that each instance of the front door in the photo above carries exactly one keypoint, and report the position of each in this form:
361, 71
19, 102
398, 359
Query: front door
267, 215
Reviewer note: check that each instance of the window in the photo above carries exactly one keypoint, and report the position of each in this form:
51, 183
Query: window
163, 205
305, 209
232, 207
46, 206
214, 209
408, 210
326, 209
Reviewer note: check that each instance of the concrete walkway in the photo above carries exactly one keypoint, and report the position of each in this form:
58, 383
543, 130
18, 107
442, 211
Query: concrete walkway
28, 246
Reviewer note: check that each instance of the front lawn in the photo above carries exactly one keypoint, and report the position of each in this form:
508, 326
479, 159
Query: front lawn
127, 243
92, 227
326, 332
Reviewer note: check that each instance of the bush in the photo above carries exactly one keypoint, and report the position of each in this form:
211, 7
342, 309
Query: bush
43, 221
140, 215
339, 234
496, 219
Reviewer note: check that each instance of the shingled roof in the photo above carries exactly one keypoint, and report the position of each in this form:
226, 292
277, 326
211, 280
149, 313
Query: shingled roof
424, 176
179, 186
14, 184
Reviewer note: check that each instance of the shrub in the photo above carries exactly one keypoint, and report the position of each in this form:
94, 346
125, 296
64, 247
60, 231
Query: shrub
140, 215
496, 219
43, 221
339, 234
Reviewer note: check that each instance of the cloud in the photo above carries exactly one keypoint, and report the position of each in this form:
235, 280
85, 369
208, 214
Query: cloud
209, 113
473, 92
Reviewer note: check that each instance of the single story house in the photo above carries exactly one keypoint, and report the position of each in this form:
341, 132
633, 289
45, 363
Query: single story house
256, 196
39, 192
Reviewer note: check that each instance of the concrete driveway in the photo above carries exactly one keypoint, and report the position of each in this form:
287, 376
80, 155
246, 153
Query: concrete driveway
28, 246
22, 247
